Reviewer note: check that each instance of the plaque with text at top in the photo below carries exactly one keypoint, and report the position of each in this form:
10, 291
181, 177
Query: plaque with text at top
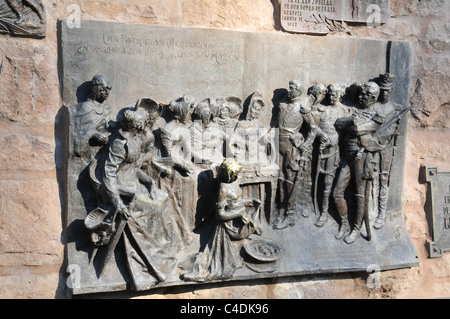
328, 16
203, 156
440, 202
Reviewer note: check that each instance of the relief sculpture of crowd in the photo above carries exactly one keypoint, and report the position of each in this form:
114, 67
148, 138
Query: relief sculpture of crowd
156, 175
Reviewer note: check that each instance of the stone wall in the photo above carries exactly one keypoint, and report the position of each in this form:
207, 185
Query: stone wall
32, 239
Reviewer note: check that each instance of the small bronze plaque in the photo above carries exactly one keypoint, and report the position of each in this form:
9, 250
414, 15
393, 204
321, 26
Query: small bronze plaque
440, 203
328, 16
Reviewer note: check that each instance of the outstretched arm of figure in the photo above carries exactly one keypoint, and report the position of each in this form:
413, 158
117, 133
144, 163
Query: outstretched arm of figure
117, 154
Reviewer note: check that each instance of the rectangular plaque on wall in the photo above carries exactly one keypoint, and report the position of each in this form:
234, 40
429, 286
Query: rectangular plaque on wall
325, 16
440, 204
166, 215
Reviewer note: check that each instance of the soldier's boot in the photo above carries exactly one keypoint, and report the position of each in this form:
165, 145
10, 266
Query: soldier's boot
284, 220
356, 231
305, 204
278, 217
19, 19
287, 221
382, 206
354, 235
344, 228
322, 220
324, 215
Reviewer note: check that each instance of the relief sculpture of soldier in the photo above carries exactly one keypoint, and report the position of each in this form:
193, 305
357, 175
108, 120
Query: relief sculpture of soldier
294, 150
329, 152
315, 97
358, 163
377, 137
385, 139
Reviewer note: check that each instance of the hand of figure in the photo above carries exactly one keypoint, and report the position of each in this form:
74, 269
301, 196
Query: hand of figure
257, 201
359, 155
101, 138
168, 172
207, 162
304, 147
245, 219
324, 142
296, 139
122, 209
185, 168
324, 139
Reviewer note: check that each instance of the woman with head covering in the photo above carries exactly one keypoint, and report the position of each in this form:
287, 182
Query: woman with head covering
220, 257
133, 208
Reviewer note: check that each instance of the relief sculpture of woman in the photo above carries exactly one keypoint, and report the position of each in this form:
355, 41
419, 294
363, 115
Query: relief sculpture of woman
221, 255
134, 208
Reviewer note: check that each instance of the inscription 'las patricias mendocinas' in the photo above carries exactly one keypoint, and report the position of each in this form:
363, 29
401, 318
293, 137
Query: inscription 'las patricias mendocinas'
162, 48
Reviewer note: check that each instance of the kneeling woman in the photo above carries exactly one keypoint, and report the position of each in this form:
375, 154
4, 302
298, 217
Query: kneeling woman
220, 258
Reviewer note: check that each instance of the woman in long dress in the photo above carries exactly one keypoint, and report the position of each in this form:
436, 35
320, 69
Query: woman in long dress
220, 257
136, 209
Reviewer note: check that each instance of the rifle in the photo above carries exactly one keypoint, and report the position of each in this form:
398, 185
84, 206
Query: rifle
316, 181
366, 208
384, 127
371, 143
397, 117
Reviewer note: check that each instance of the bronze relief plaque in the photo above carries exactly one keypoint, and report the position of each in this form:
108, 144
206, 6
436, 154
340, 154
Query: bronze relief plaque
199, 155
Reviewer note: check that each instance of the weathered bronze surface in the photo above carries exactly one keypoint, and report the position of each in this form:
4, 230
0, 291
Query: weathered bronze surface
439, 182
199, 155
23, 17
329, 16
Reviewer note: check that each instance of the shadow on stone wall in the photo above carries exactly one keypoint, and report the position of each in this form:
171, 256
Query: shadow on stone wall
61, 130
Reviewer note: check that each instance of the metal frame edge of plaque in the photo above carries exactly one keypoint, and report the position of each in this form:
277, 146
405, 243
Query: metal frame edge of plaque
140, 218
436, 178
